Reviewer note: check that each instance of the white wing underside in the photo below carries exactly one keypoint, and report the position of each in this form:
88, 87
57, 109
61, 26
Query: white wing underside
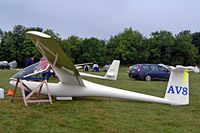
59, 62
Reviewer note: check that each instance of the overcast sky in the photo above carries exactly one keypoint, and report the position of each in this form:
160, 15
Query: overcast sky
101, 18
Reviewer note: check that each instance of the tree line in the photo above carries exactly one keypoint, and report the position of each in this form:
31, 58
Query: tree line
129, 46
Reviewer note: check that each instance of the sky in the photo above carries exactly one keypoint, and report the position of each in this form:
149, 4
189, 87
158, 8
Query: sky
101, 18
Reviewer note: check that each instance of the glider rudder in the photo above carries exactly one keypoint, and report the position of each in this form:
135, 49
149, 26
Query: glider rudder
177, 92
112, 72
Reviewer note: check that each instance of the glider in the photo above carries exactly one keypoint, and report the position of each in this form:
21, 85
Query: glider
111, 74
71, 84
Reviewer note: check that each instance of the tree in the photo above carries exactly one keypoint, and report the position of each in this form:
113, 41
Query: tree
1, 34
196, 40
111, 45
19, 33
161, 47
127, 46
184, 52
7, 51
92, 50
196, 43
74, 46
16, 45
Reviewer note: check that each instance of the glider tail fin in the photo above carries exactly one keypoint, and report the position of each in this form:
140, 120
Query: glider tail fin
177, 92
112, 72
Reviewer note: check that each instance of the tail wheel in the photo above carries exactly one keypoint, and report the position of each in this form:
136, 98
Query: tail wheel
148, 78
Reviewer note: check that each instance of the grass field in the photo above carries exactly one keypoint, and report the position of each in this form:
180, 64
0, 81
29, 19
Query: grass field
93, 114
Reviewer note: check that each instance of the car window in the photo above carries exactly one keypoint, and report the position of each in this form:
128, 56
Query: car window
135, 66
160, 68
153, 68
144, 67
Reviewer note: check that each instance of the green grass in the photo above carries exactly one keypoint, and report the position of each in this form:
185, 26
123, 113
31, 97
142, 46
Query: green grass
93, 114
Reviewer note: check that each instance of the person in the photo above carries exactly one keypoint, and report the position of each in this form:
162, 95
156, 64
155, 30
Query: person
86, 68
29, 61
95, 68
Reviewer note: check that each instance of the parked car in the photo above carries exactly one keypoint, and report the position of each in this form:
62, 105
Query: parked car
4, 65
148, 72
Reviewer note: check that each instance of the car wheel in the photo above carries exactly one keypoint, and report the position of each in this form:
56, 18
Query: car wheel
148, 78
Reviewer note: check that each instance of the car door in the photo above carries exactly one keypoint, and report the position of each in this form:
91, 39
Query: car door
164, 73
143, 70
154, 72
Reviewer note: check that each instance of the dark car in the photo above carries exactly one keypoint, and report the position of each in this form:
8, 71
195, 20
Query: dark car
149, 72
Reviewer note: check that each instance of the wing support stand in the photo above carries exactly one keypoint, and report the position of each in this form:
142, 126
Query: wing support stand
37, 90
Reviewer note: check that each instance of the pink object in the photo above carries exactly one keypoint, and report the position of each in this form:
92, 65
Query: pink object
43, 64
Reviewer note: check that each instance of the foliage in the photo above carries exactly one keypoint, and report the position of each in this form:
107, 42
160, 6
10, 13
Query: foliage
196, 40
15, 45
92, 50
161, 46
196, 43
183, 51
73, 47
129, 46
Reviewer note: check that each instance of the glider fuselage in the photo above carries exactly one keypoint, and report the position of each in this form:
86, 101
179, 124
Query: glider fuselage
93, 89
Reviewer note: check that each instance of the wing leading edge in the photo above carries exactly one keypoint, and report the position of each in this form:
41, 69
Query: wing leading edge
59, 61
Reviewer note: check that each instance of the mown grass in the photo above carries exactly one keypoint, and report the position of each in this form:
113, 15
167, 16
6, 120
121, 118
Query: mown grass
93, 114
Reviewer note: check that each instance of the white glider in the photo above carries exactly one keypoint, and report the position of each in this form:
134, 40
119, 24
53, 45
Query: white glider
71, 85
111, 74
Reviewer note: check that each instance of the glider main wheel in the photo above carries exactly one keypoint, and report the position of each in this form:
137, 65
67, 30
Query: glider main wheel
148, 78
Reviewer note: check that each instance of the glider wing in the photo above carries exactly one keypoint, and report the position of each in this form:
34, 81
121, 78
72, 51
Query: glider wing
59, 61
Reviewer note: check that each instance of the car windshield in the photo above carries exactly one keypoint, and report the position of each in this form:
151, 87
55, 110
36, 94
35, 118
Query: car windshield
160, 68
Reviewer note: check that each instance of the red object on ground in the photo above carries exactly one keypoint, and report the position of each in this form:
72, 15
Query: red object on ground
10, 92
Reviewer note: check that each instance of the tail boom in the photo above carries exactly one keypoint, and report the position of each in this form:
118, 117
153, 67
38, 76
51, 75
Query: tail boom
93, 89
